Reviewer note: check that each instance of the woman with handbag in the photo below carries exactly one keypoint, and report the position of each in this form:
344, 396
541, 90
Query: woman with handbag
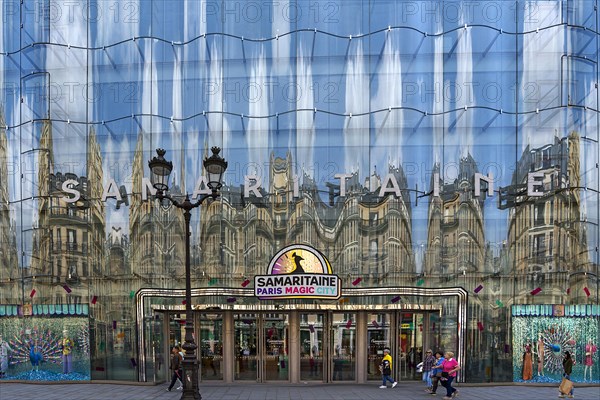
449, 368
436, 372
427, 367
566, 386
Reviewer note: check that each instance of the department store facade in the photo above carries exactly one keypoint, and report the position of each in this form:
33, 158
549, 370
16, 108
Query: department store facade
440, 159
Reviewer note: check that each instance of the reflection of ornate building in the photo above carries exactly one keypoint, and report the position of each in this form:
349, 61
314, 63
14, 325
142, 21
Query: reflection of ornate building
455, 234
119, 284
361, 233
547, 233
9, 271
456, 247
68, 241
158, 233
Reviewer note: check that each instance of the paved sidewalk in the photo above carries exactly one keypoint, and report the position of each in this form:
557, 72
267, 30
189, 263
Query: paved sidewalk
245, 391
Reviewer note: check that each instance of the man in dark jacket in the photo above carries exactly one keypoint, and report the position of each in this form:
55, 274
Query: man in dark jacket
175, 367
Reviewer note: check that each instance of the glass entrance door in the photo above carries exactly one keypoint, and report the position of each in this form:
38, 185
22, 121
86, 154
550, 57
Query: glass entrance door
410, 344
416, 334
312, 342
210, 346
342, 348
261, 342
275, 328
379, 337
246, 346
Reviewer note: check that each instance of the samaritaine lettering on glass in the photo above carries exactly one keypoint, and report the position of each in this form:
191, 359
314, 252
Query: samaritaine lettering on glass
252, 185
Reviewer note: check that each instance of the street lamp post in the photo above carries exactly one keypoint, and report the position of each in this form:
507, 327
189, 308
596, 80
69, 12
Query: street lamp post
161, 169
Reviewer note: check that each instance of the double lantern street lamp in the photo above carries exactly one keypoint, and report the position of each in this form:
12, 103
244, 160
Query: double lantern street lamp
161, 169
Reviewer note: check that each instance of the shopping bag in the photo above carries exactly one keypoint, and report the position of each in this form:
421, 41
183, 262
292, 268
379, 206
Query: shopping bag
565, 386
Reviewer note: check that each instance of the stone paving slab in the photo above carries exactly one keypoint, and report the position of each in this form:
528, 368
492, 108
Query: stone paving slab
246, 391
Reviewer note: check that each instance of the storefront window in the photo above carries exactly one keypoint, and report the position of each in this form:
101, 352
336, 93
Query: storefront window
418, 145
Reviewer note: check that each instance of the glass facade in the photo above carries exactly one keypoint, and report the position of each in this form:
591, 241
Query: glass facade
416, 144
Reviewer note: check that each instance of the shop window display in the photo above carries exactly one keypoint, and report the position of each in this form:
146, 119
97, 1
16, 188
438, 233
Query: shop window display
541, 341
45, 348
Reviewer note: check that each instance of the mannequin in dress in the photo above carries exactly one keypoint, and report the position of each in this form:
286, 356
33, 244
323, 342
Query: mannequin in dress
588, 362
540, 355
527, 364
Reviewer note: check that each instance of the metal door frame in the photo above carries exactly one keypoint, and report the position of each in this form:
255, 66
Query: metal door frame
324, 349
261, 351
145, 310
425, 337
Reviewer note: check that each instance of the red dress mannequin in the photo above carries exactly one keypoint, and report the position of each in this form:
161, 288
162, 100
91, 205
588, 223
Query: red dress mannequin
588, 362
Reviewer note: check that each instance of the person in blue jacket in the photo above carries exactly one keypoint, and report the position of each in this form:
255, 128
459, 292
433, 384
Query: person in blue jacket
436, 372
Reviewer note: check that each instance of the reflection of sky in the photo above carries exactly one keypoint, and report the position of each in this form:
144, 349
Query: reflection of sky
305, 128
258, 132
540, 63
336, 75
356, 102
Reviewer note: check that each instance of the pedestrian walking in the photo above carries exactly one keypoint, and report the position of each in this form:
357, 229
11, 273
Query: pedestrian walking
427, 367
449, 368
175, 367
179, 381
566, 386
436, 372
386, 370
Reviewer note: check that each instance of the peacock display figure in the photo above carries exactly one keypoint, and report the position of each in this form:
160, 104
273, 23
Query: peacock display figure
557, 340
35, 348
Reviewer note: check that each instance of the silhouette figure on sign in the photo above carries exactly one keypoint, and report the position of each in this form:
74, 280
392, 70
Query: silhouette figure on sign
298, 269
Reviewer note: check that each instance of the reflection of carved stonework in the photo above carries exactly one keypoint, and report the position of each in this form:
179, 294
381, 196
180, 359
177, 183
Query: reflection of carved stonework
455, 241
361, 233
158, 254
547, 234
118, 306
68, 240
9, 272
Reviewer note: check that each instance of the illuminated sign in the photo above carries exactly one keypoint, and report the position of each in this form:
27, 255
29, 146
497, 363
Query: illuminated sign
298, 271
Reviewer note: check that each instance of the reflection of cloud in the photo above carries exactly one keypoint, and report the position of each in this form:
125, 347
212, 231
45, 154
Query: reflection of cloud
257, 134
107, 34
67, 71
281, 46
388, 125
194, 19
218, 128
149, 93
464, 81
356, 129
539, 57
438, 101
176, 127
305, 128
117, 165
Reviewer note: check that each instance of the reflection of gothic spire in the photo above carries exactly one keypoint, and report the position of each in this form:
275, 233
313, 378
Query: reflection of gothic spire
373, 182
182, 168
9, 270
